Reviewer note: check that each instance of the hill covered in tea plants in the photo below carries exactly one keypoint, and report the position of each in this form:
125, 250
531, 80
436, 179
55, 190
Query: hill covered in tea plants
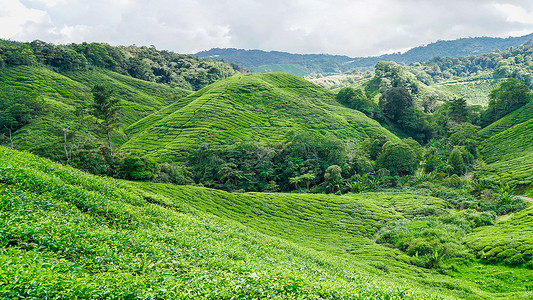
61, 101
264, 107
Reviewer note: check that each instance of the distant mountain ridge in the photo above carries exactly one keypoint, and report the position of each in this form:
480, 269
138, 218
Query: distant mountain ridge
304, 64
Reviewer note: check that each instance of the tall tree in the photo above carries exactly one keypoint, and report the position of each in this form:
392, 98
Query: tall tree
458, 110
105, 107
511, 95
394, 102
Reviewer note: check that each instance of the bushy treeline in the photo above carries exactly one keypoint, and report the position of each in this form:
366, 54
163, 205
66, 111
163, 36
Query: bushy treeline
410, 109
516, 62
146, 63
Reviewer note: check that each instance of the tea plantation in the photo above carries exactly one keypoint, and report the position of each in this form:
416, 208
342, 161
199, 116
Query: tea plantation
263, 107
66, 234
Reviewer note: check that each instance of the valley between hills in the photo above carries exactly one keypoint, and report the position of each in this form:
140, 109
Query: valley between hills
134, 173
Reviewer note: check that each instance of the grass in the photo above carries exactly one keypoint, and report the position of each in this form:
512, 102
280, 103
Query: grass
66, 234
262, 107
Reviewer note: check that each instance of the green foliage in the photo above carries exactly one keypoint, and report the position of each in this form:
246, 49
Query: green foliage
105, 107
299, 162
58, 223
391, 75
394, 102
333, 178
458, 110
357, 99
138, 168
433, 241
263, 107
173, 173
456, 162
60, 103
398, 158
144, 63
511, 95
17, 110
509, 156
508, 242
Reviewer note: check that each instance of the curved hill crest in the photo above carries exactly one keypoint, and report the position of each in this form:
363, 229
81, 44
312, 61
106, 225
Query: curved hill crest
262, 107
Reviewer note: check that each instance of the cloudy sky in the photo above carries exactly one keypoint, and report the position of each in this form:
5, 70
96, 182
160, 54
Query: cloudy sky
348, 27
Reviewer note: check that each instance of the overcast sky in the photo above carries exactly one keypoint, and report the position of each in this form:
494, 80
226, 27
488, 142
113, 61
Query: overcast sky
354, 28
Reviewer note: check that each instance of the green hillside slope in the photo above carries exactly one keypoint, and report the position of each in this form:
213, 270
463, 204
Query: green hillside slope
249, 107
509, 154
474, 89
67, 234
61, 92
516, 117
509, 241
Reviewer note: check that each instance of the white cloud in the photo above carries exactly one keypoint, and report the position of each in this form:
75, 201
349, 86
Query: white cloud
16, 19
515, 13
351, 27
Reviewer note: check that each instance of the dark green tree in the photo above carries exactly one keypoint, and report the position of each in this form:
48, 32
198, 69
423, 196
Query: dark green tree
458, 110
358, 100
509, 96
394, 103
138, 168
17, 110
105, 107
398, 158
456, 162
333, 178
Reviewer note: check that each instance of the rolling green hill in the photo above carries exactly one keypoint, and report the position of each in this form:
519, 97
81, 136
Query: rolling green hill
507, 149
68, 234
262, 107
509, 153
62, 92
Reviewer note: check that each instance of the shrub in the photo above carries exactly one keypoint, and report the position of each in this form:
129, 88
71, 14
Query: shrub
456, 162
173, 173
138, 168
398, 158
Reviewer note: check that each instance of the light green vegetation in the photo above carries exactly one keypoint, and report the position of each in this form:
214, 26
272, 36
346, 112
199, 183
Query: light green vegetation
507, 149
61, 93
339, 81
510, 241
518, 116
287, 68
474, 89
263, 107
509, 155
67, 234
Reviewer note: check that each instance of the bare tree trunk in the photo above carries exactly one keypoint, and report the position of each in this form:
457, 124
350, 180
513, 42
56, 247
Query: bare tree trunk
65, 134
10, 137
109, 143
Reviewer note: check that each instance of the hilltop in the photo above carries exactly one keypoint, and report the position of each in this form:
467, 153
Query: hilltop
146, 63
262, 107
